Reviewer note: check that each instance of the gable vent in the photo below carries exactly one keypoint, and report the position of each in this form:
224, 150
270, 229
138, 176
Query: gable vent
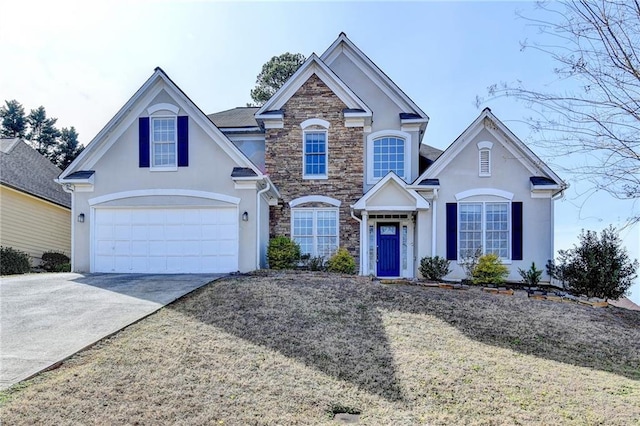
485, 163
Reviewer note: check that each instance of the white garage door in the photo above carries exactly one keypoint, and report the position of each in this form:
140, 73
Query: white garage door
165, 240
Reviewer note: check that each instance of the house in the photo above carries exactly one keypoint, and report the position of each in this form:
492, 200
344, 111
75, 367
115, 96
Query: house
335, 158
35, 213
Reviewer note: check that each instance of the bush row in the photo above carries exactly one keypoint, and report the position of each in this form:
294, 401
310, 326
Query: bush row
14, 261
599, 266
284, 253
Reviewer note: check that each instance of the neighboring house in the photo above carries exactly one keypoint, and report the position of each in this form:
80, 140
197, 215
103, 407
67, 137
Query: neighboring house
334, 158
35, 213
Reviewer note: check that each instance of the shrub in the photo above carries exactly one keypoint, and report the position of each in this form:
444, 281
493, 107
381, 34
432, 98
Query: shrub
532, 276
52, 261
490, 270
316, 263
470, 261
283, 253
598, 267
434, 268
64, 267
13, 261
341, 262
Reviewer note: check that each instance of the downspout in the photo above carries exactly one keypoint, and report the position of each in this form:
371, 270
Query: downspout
361, 237
259, 219
68, 188
434, 221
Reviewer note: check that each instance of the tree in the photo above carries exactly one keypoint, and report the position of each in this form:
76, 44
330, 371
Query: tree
596, 46
43, 133
14, 122
67, 149
274, 74
59, 146
598, 267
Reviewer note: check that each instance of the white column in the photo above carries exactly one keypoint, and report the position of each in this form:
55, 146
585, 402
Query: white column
434, 223
364, 242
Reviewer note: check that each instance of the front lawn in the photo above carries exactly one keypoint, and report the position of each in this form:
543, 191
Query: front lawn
293, 348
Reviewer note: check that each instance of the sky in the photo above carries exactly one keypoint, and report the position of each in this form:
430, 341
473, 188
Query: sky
83, 60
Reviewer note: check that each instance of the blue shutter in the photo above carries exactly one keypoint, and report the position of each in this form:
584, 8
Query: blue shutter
452, 231
143, 142
183, 141
516, 231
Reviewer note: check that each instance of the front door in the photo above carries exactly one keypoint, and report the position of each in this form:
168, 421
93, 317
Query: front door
388, 236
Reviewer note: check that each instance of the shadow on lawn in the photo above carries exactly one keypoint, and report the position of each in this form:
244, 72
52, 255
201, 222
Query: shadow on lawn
602, 339
334, 324
316, 323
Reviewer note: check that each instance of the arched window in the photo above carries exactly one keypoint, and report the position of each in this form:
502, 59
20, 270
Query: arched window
387, 151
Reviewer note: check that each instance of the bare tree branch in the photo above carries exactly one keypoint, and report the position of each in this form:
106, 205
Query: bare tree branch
597, 115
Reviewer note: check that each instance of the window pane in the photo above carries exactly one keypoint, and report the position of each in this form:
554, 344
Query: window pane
470, 228
163, 139
388, 155
497, 229
315, 153
316, 230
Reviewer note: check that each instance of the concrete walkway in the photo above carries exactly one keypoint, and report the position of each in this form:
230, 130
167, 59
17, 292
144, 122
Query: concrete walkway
45, 318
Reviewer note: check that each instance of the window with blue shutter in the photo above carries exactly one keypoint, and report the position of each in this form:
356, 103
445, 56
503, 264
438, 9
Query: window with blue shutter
163, 142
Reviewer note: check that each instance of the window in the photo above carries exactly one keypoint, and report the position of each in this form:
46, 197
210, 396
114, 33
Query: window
163, 142
388, 150
388, 155
484, 225
316, 230
315, 154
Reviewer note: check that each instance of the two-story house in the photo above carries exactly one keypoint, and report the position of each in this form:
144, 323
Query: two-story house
334, 159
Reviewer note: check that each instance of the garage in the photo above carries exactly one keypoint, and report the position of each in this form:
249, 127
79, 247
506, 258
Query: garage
165, 240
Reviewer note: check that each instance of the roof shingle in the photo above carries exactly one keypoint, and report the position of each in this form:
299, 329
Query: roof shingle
25, 169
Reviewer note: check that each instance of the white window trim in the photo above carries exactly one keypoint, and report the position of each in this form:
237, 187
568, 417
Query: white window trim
168, 168
163, 107
315, 122
505, 261
324, 175
484, 146
407, 153
314, 199
315, 229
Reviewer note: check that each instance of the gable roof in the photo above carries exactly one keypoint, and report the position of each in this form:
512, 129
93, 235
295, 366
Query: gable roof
313, 65
125, 117
343, 45
389, 179
25, 169
528, 158
236, 118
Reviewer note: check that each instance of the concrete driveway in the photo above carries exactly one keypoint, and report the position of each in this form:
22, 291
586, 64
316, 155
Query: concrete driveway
44, 318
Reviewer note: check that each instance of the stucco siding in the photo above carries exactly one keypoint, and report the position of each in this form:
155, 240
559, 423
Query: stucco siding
209, 170
507, 174
32, 225
386, 112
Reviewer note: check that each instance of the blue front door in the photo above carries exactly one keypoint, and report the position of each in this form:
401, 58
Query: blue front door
388, 250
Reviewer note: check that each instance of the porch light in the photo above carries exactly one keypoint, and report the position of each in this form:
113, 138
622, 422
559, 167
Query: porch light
81, 217
245, 216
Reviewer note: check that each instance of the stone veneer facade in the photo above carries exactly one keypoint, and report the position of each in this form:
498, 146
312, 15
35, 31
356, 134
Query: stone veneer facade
283, 161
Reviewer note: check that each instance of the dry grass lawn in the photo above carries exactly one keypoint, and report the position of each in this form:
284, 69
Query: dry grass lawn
292, 348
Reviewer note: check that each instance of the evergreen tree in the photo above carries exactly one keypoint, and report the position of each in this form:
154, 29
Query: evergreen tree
274, 74
43, 133
68, 147
14, 122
